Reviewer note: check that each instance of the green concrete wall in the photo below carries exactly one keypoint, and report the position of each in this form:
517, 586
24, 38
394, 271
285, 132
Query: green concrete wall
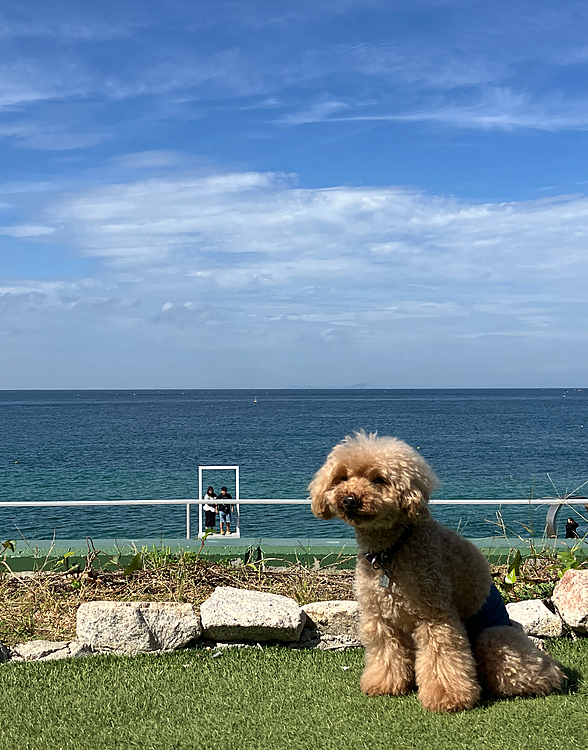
56, 555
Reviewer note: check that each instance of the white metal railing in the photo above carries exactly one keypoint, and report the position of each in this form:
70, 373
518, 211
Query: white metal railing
555, 504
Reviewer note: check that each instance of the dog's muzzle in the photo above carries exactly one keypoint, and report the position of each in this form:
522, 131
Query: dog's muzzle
351, 504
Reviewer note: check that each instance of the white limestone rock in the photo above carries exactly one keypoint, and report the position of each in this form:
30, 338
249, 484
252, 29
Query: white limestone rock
50, 650
114, 626
77, 649
239, 615
334, 624
137, 627
172, 624
535, 618
33, 650
571, 599
334, 618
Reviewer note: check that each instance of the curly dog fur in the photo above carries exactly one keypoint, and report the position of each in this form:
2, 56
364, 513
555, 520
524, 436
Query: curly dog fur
412, 625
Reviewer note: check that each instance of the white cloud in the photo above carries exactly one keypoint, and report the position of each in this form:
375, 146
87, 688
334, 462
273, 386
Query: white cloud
64, 141
251, 250
44, 136
73, 26
479, 81
318, 112
489, 108
250, 264
26, 81
436, 67
149, 160
255, 228
27, 230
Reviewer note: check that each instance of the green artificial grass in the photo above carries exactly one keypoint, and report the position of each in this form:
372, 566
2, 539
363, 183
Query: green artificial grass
272, 699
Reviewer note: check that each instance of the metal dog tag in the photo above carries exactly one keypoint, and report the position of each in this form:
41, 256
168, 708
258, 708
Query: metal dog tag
384, 581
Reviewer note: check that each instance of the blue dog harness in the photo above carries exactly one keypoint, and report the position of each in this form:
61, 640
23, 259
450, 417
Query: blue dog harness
490, 615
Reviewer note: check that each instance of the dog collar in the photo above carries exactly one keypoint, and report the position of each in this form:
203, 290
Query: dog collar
383, 560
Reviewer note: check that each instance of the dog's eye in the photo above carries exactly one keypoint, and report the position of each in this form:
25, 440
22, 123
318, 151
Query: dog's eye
341, 479
378, 480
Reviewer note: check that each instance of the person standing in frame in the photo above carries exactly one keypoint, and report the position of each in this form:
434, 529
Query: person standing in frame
209, 508
571, 527
224, 511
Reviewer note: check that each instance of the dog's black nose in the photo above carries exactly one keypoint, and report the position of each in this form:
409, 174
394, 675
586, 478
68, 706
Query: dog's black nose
351, 502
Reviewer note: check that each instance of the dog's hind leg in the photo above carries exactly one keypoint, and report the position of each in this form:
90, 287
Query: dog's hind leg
445, 668
389, 659
509, 664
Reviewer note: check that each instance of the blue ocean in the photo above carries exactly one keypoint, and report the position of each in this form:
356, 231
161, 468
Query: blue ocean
97, 445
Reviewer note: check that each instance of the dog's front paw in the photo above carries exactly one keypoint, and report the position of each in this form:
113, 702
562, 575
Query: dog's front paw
440, 700
379, 681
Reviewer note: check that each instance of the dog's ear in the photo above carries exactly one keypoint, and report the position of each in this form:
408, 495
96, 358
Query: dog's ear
415, 502
318, 488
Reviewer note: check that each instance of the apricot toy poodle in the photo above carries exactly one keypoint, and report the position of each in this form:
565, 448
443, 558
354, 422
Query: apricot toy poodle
430, 614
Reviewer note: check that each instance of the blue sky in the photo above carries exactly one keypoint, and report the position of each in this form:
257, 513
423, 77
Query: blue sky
272, 194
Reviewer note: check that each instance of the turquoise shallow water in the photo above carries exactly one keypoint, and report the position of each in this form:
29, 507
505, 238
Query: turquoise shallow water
70, 445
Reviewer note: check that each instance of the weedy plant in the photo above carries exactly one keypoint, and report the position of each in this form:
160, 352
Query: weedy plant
45, 605
570, 559
535, 574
